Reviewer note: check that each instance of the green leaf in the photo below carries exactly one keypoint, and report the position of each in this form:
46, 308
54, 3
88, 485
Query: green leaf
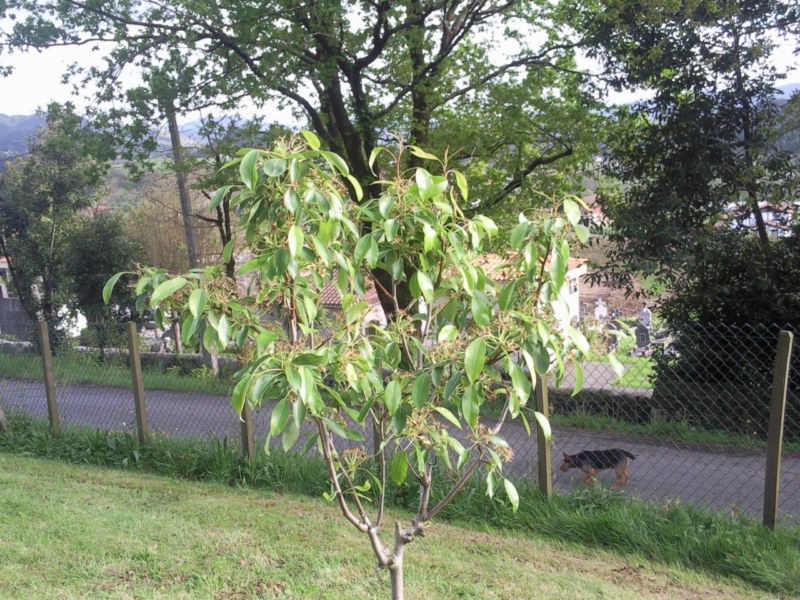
399, 468
362, 247
197, 302
108, 288
582, 232
474, 359
392, 396
420, 393
448, 333
520, 382
274, 167
470, 407
461, 182
248, 169
385, 205
481, 309
572, 211
290, 436
219, 196
425, 184
618, 367
239, 395
512, 494
578, 377
223, 331
544, 425
448, 415
506, 298
279, 418
430, 238
311, 139
296, 239
420, 153
336, 161
356, 187
425, 286
166, 289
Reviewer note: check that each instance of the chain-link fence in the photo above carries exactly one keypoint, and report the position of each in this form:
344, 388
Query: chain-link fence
692, 407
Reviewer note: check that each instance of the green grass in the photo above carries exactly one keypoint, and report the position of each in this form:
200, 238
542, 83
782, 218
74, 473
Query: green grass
683, 540
85, 532
72, 368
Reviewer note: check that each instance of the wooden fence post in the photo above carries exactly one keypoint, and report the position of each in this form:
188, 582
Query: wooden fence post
49, 379
777, 411
248, 439
544, 457
135, 361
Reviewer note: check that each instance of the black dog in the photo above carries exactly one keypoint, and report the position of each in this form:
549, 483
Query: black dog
593, 461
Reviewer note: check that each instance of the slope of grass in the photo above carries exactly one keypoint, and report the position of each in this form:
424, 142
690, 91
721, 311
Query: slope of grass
683, 537
86, 532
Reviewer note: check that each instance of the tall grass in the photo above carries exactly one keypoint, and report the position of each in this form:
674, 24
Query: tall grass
726, 545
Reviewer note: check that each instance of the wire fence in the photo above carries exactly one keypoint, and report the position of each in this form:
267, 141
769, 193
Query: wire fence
692, 406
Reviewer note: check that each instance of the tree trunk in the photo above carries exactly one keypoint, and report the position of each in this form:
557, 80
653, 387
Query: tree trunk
396, 571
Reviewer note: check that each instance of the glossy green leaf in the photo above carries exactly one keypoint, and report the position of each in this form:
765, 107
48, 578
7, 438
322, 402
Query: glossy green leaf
544, 425
248, 169
420, 393
274, 167
311, 139
296, 239
448, 415
166, 289
448, 333
572, 211
218, 196
425, 286
392, 396
513, 495
108, 288
197, 301
399, 468
239, 395
474, 358
279, 418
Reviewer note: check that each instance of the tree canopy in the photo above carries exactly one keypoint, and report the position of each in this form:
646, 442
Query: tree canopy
355, 71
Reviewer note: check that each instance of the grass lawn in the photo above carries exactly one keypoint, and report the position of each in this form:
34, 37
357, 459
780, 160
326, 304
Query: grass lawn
88, 532
71, 368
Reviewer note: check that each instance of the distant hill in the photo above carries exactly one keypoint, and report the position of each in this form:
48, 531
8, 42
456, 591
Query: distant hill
15, 131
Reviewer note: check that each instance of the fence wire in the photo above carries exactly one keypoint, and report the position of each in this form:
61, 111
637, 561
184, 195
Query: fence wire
693, 408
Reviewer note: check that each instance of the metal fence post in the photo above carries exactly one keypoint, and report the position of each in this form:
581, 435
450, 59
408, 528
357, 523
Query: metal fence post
777, 412
135, 361
544, 457
248, 440
49, 378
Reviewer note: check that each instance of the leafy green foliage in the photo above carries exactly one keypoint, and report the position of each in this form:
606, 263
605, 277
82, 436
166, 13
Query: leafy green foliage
40, 195
440, 355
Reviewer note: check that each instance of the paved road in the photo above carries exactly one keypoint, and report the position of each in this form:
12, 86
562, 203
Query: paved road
729, 478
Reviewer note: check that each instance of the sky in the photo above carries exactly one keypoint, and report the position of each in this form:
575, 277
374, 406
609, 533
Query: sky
37, 79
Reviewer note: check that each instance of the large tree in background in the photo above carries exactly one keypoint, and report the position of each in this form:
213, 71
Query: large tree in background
40, 195
354, 70
700, 151
97, 249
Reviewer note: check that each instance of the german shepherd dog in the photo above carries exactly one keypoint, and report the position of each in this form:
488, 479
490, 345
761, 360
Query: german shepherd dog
592, 462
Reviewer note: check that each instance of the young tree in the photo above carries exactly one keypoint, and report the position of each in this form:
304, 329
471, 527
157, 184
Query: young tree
40, 195
472, 341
